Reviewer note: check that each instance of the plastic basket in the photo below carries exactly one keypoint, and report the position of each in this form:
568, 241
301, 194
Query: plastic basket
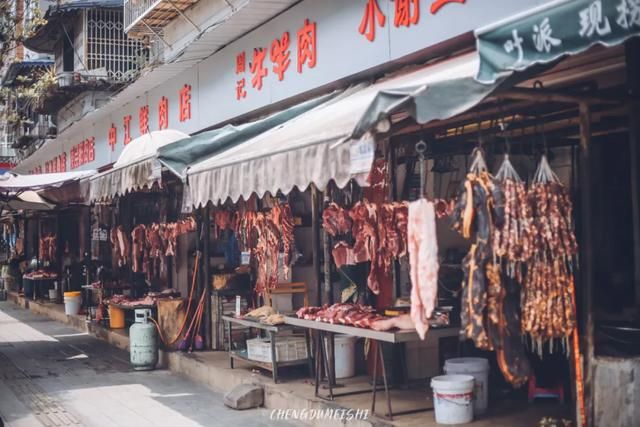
288, 349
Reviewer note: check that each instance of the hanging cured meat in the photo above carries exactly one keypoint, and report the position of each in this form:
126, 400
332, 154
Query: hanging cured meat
512, 243
379, 231
336, 220
287, 226
267, 236
121, 244
47, 248
423, 260
479, 211
548, 308
365, 231
153, 242
489, 308
139, 240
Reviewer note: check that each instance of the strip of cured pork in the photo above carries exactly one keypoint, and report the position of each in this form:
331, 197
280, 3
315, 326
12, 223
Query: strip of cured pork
423, 260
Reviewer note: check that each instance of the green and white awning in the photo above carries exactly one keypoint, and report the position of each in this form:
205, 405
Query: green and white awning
556, 29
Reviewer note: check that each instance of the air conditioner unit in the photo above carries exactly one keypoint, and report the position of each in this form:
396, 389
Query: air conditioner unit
65, 79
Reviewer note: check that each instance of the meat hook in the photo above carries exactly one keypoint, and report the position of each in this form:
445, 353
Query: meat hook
421, 148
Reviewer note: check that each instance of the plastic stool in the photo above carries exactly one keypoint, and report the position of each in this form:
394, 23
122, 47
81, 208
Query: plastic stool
555, 392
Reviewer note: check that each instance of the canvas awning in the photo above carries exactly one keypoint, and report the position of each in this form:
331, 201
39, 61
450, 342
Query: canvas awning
28, 200
178, 156
332, 141
136, 168
553, 30
11, 182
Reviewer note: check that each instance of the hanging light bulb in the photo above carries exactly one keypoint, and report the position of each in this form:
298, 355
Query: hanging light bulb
383, 126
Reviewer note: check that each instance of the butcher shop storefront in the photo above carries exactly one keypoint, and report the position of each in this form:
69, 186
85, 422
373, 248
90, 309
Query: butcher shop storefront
45, 233
445, 225
440, 219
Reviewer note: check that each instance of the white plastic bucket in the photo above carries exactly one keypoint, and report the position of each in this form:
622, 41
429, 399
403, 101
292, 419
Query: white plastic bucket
453, 398
345, 351
478, 368
72, 305
53, 295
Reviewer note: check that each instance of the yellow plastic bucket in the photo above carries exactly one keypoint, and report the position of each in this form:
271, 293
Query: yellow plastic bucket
116, 318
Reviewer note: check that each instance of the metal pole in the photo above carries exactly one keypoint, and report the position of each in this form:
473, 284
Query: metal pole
395, 272
206, 224
327, 290
633, 85
315, 241
586, 255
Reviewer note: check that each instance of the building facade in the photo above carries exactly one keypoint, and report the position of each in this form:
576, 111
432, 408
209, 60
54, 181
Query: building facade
217, 62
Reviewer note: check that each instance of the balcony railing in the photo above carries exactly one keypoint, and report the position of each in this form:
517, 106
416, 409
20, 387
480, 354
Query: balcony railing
147, 17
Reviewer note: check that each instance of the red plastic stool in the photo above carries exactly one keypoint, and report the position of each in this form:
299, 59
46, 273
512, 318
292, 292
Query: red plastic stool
555, 392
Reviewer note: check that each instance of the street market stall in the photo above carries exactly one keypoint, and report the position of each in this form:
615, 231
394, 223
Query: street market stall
140, 237
420, 186
49, 211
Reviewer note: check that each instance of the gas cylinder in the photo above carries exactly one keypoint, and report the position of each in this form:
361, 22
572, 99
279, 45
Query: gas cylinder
143, 347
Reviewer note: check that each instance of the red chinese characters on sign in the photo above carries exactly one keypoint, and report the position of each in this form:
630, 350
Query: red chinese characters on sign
55, 165
438, 4
185, 103
280, 55
127, 129
307, 46
113, 137
241, 63
143, 119
63, 162
407, 13
83, 153
241, 67
257, 67
240, 89
372, 14
279, 52
163, 113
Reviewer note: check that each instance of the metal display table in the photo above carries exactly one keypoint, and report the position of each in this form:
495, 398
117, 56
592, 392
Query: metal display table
272, 331
38, 283
322, 357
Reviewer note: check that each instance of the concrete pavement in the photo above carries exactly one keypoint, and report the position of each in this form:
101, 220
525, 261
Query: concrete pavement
52, 375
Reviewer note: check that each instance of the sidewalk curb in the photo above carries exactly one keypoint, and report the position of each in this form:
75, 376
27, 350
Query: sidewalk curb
219, 379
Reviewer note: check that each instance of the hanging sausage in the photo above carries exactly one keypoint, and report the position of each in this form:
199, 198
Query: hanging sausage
547, 305
512, 243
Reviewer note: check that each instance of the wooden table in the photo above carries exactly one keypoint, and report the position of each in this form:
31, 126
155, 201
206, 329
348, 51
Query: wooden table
272, 331
322, 357
130, 308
